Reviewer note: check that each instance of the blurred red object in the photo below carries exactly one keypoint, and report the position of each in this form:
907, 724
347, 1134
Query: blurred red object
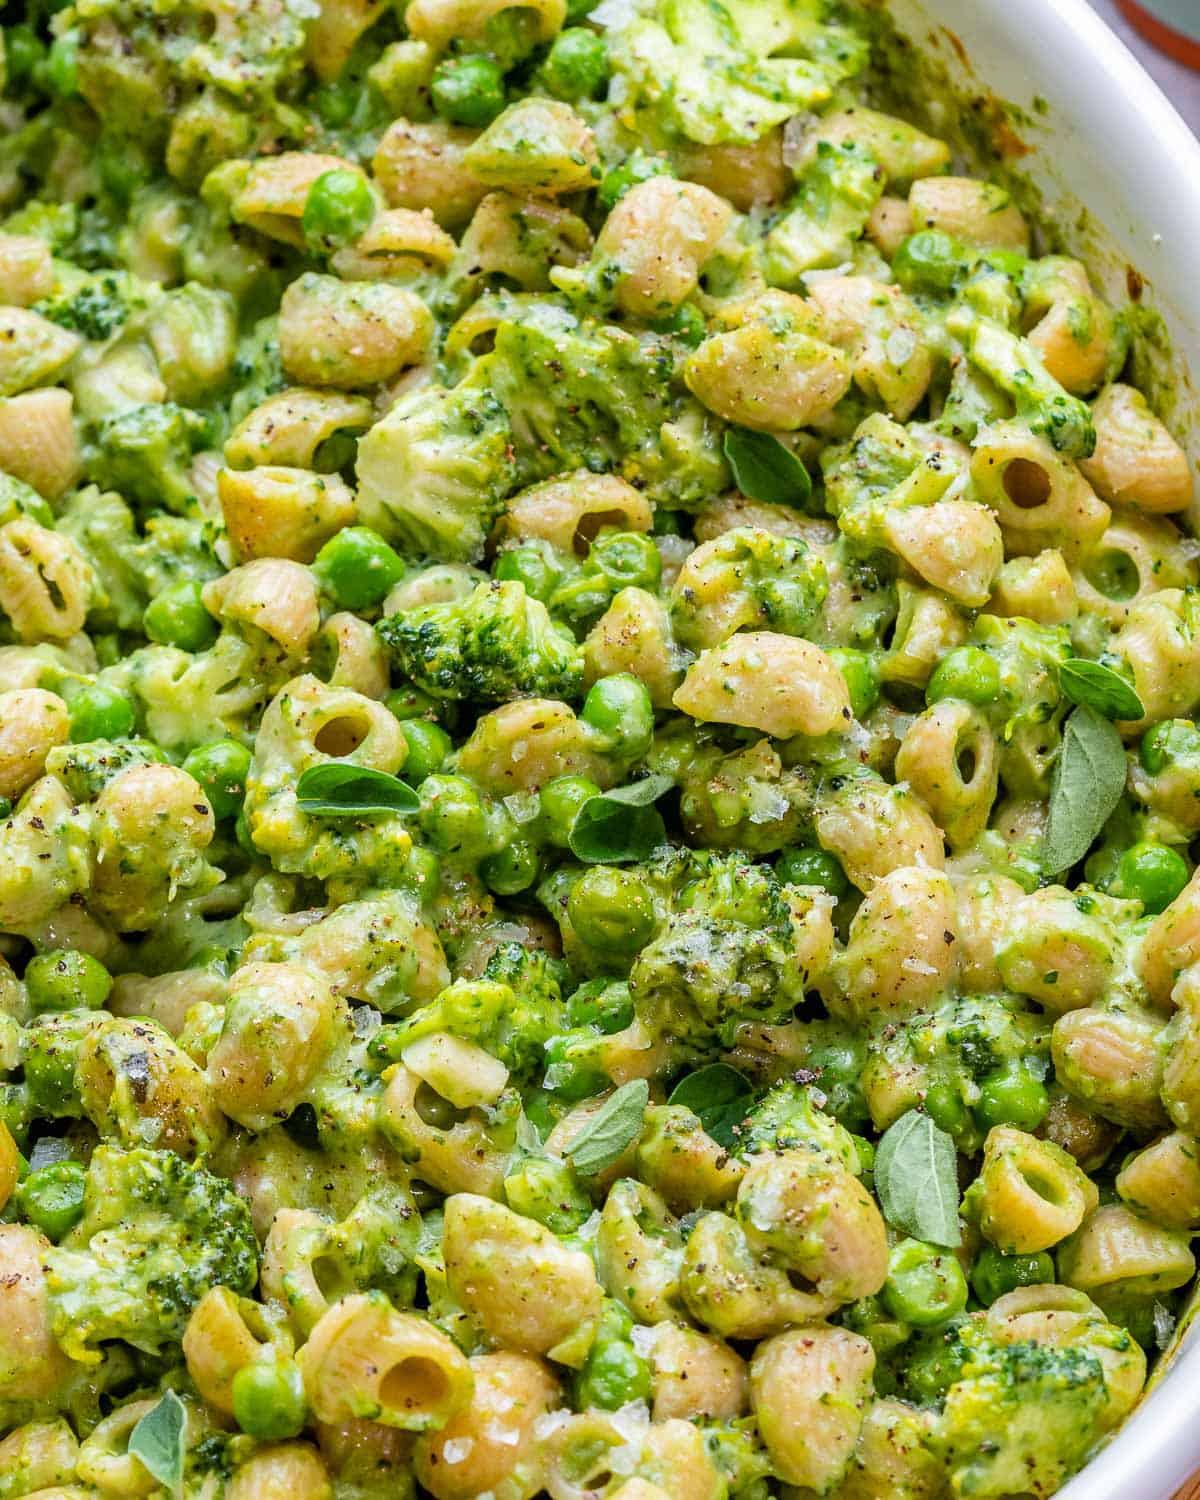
1172, 25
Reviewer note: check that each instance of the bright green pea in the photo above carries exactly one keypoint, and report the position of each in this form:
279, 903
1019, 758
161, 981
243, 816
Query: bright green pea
969, 673
468, 90
452, 817
812, 866
561, 800
221, 768
577, 67
1012, 1096
628, 559
52, 1198
1153, 874
613, 1373
428, 747
336, 102
357, 568
686, 324
177, 617
532, 567
612, 910
338, 208
515, 868
995, 1273
1174, 741
862, 680
423, 869
410, 702
99, 712
61, 67
619, 709
51, 1053
930, 260
925, 1284
66, 979
545, 1188
637, 167
268, 1399
944, 1106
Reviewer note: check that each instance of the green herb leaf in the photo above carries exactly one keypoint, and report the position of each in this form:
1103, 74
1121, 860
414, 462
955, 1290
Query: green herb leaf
622, 825
719, 1096
1094, 685
1085, 788
157, 1441
611, 1129
337, 790
916, 1179
764, 469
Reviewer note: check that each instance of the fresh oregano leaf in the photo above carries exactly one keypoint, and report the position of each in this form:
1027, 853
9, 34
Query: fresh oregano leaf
1094, 685
719, 1096
157, 1441
916, 1180
615, 1124
764, 469
338, 790
1085, 788
615, 827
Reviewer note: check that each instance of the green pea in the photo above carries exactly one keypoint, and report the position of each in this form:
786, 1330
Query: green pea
338, 208
66, 979
1173, 742
612, 910
468, 90
862, 680
60, 70
51, 1053
22, 53
177, 617
925, 1285
560, 801
969, 673
619, 709
995, 1273
221, 768
336, 102
929, 260
452, 817
410, 702
1153, 874
811, 866
99, 712
686, 324
628, 559
545, 1188
357, 568
268, 1399
577, 67
531, 566
428, 747
513, 869
423, 869
1012, 1096
944, 1106
637, 167
613, 1373
52, 1198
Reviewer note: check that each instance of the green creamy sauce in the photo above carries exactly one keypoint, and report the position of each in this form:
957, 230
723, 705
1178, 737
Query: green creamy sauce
572, 892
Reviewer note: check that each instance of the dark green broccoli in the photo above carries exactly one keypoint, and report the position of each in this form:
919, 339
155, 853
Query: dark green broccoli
791, 1115
85, 770
575, 1055
827, 214
146, 454
96, 309
732, 951
1021, 1417
495, 644
156, 1233
747, 579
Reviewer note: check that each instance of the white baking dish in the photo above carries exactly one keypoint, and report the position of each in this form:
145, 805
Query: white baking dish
1109, 143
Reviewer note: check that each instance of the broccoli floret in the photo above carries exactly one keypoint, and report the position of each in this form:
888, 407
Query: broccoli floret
747, 579
512, 1024
85, 770
1016, 367
96, 309
495, 644
433, 475
792, 1115
730, 953
828, 213
1022, 1417
146, 454
712, 73
156, 1233
1028, 709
